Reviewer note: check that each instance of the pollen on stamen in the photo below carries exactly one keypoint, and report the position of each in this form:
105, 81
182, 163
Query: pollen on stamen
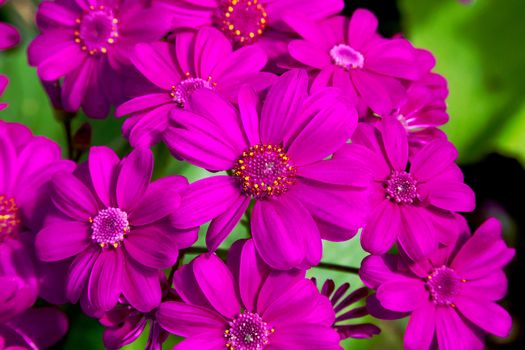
242, 20
401, 188
9, 217
443, 284
247, 331
181, 92
346, 57
109, 227
97, 30
264, 171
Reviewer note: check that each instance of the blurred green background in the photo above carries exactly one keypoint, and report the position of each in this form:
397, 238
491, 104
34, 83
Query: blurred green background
480, 50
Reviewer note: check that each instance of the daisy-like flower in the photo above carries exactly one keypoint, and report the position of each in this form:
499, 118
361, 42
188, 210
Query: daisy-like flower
248, 22
9, 35
246, 305
115, 224
350, 54
411, 202
450, 296
342, 300
275, 156
421, 112
203, 59
38, 328
27, 164
86, 44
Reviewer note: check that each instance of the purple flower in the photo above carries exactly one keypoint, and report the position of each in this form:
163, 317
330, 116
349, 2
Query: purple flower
245, 305
422, 111
38, 328
27, 164
116, 226
197, 60
87, 44
274, 155
343, 315
450, 296
350, 54
9, 35
248, 22
411, 202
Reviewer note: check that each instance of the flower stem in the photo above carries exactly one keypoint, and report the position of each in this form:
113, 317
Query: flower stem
222, 253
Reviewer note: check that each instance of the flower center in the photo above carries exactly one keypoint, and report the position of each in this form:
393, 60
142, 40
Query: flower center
443, 284
109, 227
264, 171
9, 217
346, 57
242, 20
97, 30
247, 331
401, 188
181, 92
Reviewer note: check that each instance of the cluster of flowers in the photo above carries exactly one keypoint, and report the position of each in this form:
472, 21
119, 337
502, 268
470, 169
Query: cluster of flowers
318, 127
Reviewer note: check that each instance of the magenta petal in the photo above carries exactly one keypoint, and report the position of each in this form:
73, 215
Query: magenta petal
336, 172
9, 36
187, 287
143, 103
141, 286
248, 107
102, 165
204, 341
134, 177
206, 199
62, 239
73, 198
60, 63
149, 246
491, 317
421, 327
451, 195
453, 333
362, 28
383, 227
483, 253
376, 270
396, 143
490, 287
57, 13
433, 159
282, 105
156, 63
252, 273
41, 327
79, 272
211, 47
402, 295
126, 332
417, 236
278, 233
189, 320
217, 284
161, 199
76, 84
309, 54
306, 336
222, 225
105, 282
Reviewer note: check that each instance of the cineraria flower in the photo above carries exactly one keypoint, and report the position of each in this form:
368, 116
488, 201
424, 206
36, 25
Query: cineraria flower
87, 44
27, 164
197, 60
38, 328
422, 111
350, 54
115, 224
450, 296
277, 158
345, 330
9, 35
245, 305
413, 204
248, 22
